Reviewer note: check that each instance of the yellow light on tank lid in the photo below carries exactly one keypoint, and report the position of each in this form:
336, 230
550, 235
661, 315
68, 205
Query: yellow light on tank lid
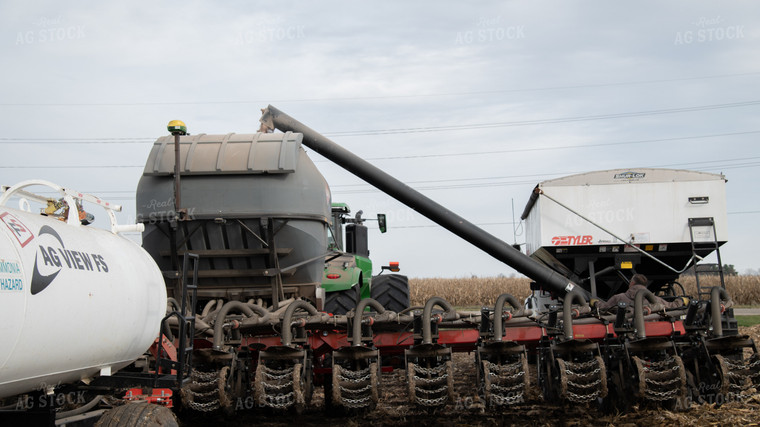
177, 127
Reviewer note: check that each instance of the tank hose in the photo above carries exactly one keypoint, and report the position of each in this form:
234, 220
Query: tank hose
427, 334
286, 336
716, 293
638, 310
358, 312
498, 311
244, 308
567, 312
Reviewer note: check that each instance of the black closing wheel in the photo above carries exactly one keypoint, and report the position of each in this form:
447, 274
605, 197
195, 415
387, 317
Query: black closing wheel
391, 291
341, 302
138, 414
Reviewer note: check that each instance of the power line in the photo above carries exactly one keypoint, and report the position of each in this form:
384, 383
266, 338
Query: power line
370, 189
544, 121
418, 156
557, 147
76, 140
368, 98
487, 125
73, 167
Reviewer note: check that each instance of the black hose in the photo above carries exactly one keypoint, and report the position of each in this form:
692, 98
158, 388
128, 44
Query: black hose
286, 336
167, 330
173, 302
207, 308
358, 312
244, 308
638, 310
715, 297
427, 334
80, 410
567, 315
498, 309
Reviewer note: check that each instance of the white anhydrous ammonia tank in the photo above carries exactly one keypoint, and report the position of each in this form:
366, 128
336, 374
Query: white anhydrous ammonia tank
75, 301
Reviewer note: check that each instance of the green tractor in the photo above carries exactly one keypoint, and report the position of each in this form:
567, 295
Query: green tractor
348, 270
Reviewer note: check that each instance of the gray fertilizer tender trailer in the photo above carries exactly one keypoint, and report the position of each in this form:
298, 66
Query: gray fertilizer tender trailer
256, 211
254, 344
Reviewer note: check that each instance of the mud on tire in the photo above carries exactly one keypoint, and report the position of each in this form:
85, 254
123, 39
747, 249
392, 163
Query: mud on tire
138, 414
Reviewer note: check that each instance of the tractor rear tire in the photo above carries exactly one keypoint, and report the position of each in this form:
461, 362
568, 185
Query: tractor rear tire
391, 291
138, 414
341, 302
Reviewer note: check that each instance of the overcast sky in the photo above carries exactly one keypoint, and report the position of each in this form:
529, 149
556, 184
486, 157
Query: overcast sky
562, 87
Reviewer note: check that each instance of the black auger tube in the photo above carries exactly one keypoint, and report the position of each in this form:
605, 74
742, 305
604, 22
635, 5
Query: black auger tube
273, 118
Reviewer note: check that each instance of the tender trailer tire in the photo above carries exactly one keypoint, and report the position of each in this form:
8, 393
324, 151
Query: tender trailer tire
341, 302
138, 414
391, 291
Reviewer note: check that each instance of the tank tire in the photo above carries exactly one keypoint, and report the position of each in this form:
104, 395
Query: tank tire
138, 414
341, 302
391, 291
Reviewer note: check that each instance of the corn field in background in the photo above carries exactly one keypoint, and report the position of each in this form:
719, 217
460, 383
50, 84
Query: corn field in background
483, 291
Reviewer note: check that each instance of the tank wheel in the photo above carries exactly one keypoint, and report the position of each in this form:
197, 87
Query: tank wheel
341, 302
391, 291
138, 414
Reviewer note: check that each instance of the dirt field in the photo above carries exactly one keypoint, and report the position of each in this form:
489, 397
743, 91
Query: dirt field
467, 410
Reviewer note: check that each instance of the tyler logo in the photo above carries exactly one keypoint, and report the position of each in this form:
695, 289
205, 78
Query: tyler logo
53, 256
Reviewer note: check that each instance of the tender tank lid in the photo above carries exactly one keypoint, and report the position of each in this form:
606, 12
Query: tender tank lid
631, 176
203, 154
